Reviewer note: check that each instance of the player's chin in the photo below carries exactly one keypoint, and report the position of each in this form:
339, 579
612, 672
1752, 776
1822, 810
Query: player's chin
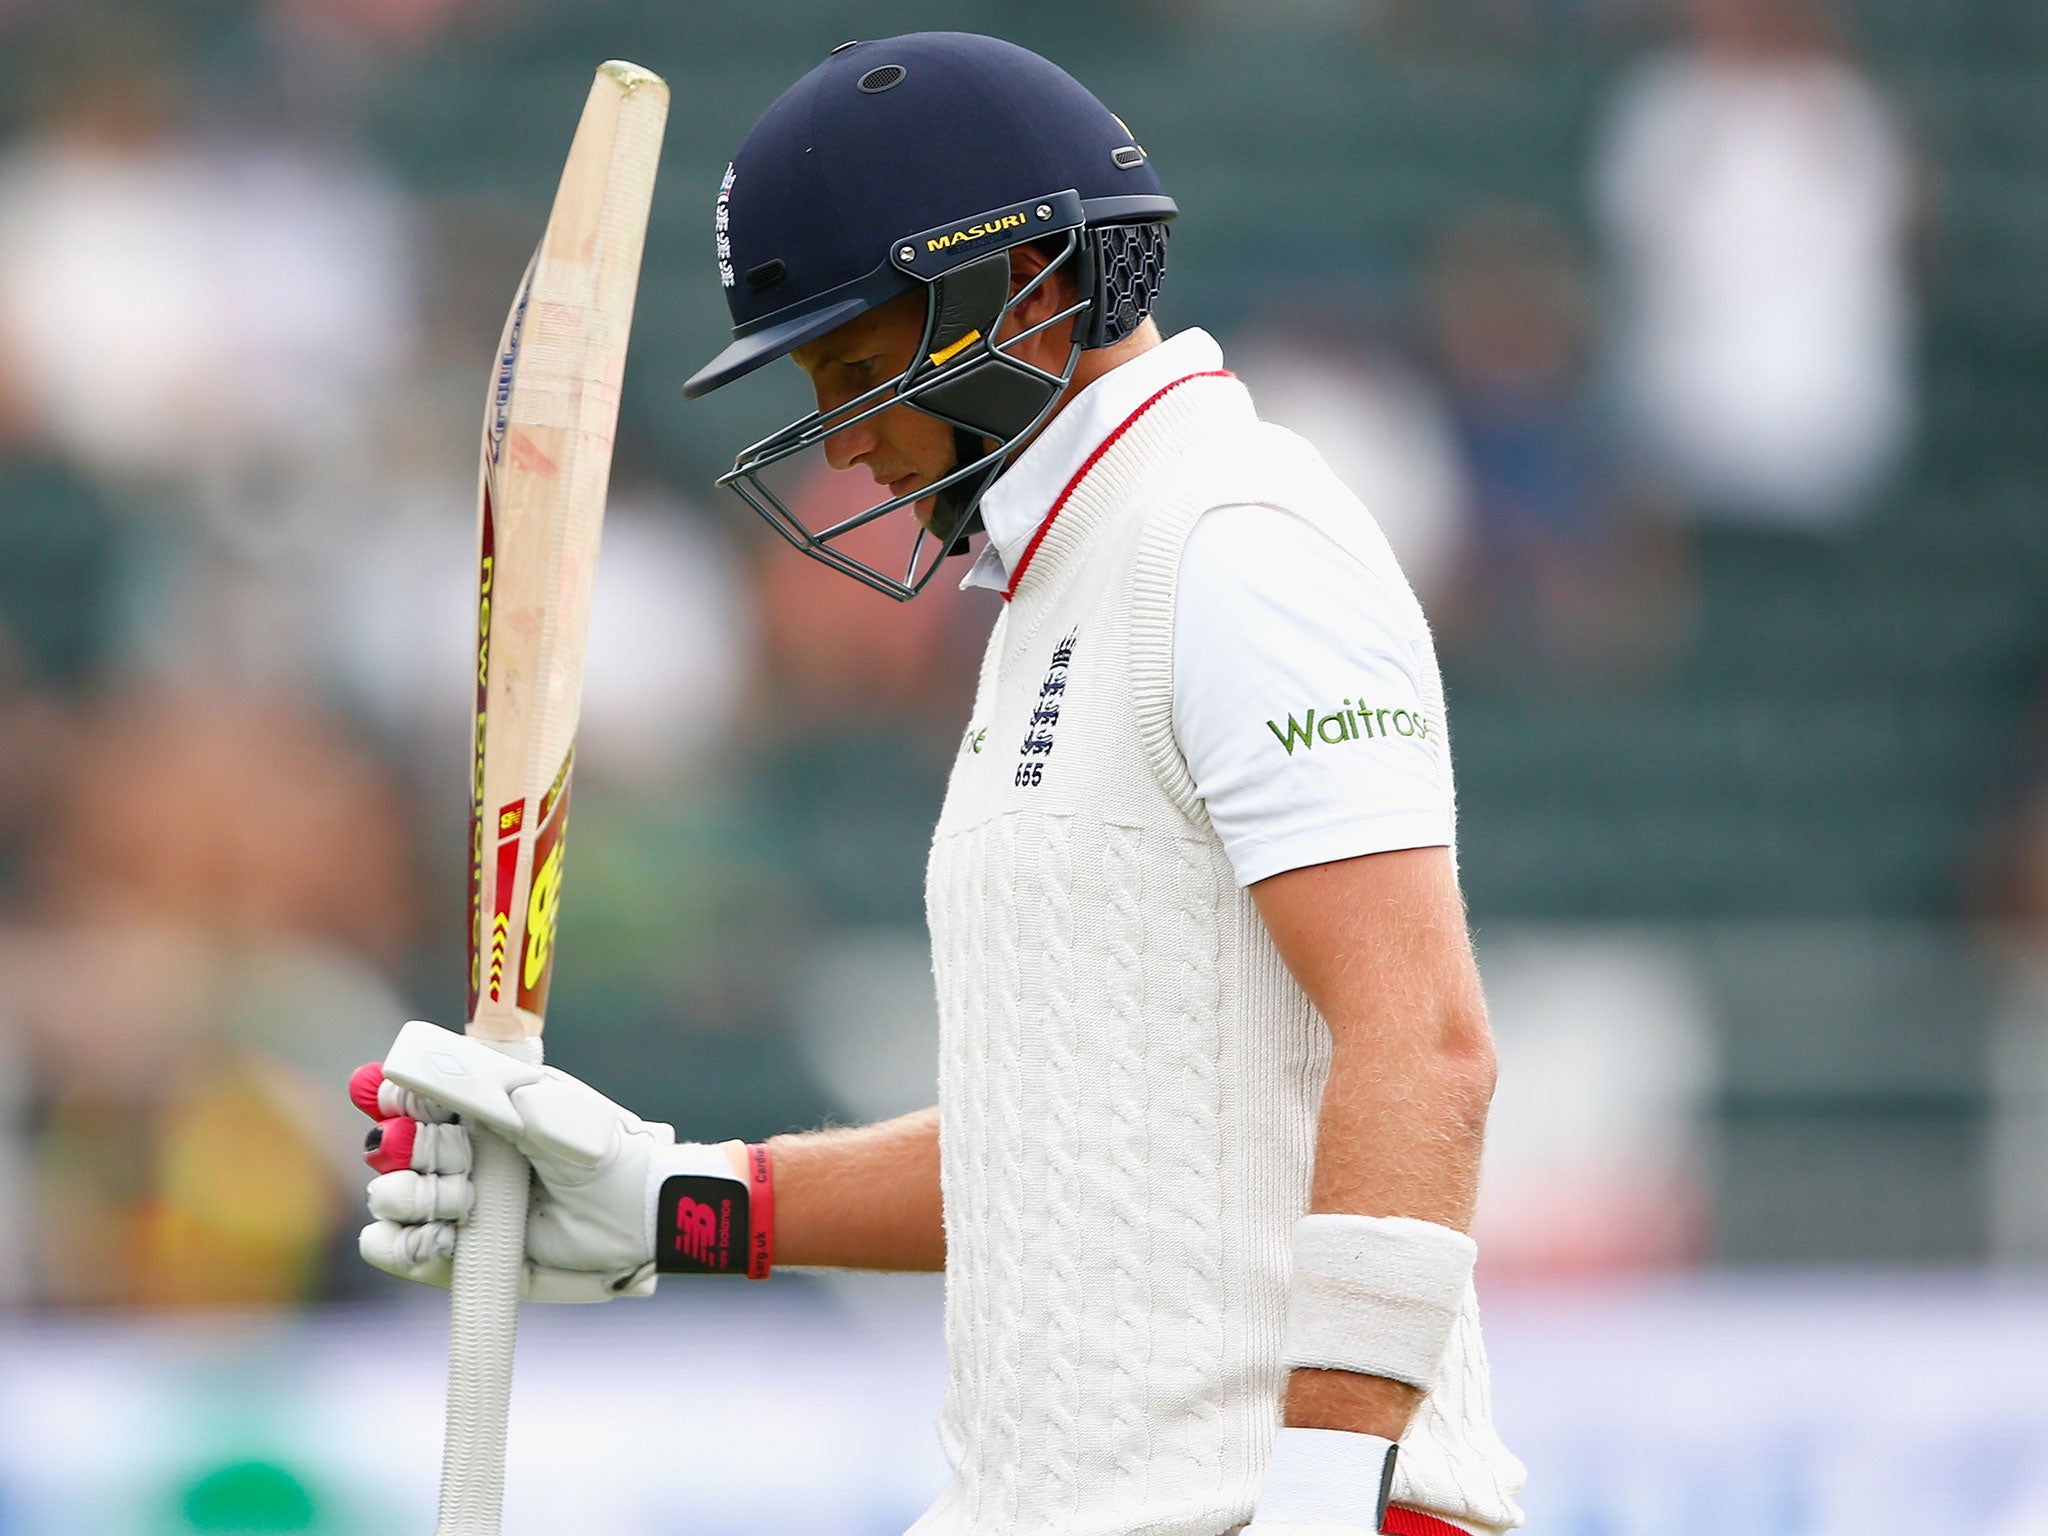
925, 508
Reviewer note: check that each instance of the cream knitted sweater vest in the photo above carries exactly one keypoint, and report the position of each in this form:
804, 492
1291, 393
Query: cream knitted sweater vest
1129, 1078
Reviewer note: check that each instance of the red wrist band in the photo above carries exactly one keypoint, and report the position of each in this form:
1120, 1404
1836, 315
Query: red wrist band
1413, 1522
760, 1212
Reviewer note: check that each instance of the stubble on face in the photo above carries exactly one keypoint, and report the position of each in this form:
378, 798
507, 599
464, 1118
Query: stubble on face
901, 447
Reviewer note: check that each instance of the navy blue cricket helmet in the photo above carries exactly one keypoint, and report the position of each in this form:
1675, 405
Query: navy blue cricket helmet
918, 162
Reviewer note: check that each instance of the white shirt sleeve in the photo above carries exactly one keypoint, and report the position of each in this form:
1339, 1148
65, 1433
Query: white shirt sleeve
1304, 698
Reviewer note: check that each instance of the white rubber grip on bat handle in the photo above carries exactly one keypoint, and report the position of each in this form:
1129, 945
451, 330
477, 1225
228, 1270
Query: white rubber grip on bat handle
483, 1325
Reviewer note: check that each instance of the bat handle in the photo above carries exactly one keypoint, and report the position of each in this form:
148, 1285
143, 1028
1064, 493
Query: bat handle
483, 1325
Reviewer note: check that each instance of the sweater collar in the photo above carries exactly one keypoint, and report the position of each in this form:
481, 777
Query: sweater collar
1015, 508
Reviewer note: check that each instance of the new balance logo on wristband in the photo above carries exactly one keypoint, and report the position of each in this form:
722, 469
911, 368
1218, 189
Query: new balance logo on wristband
701, 1225
697, 1228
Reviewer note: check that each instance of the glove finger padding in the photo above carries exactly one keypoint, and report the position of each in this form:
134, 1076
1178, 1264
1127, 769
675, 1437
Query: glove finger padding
411, 1199
424, 1252
424, 1148
380, 1099
440, 1149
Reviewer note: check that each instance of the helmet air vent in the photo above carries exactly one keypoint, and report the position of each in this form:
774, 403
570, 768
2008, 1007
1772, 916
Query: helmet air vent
881, 78
767, 275
1127, 157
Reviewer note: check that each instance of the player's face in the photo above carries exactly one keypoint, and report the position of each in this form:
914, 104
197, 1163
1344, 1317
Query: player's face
901, 448
904, 448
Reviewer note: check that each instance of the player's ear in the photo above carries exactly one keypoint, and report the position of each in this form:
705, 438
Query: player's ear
1026, 262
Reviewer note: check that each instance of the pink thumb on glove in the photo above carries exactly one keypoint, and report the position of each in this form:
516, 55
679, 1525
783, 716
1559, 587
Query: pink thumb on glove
381, 1099
363, 1084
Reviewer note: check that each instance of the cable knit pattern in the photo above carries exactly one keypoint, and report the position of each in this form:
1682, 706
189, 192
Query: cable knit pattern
1196, 1198
1004, 1088
959, 952
1437, 1469
1128, 1157
1129, 1078
1059, 1466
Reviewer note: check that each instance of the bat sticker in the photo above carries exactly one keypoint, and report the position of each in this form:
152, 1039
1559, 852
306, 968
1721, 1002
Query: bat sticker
543, 902
510, 820
486, 566
508, 364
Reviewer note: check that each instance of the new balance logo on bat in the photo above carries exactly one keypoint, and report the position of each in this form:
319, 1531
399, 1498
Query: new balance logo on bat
1353, 722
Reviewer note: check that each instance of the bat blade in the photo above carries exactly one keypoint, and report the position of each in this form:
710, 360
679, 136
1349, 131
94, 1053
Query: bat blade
546, 461
549, 421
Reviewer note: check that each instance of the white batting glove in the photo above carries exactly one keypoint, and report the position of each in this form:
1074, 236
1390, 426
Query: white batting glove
608, 1189
1324, 1482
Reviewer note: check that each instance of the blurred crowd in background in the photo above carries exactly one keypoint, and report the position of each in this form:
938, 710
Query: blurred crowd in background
1690, 354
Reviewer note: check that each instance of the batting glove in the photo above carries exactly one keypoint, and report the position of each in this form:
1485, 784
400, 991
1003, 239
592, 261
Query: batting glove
1325, 1482
615, 1200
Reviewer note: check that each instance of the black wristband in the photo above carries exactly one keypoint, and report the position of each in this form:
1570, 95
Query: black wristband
702, 1224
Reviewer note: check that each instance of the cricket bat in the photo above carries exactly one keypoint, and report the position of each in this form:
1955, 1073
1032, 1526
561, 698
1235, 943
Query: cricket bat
547, 448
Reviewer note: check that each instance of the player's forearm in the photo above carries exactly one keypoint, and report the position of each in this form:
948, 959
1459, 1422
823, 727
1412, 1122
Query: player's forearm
866, 1198
1397, 1138
1403, 1119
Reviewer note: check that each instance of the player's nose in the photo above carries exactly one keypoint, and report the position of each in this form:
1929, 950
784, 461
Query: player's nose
850, 444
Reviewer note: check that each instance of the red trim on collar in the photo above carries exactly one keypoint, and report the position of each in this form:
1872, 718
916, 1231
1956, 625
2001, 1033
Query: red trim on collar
1413, 1522
1038, 536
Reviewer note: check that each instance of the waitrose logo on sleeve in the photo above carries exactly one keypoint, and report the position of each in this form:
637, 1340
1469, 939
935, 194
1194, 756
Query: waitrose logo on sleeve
1355, 721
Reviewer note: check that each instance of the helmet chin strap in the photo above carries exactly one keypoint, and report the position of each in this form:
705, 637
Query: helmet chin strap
964, 495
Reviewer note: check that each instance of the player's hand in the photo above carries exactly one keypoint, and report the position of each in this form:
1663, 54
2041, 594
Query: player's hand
590, 1221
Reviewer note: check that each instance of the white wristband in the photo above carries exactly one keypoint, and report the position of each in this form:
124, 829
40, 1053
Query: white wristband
1377, 1295
1327, 1478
